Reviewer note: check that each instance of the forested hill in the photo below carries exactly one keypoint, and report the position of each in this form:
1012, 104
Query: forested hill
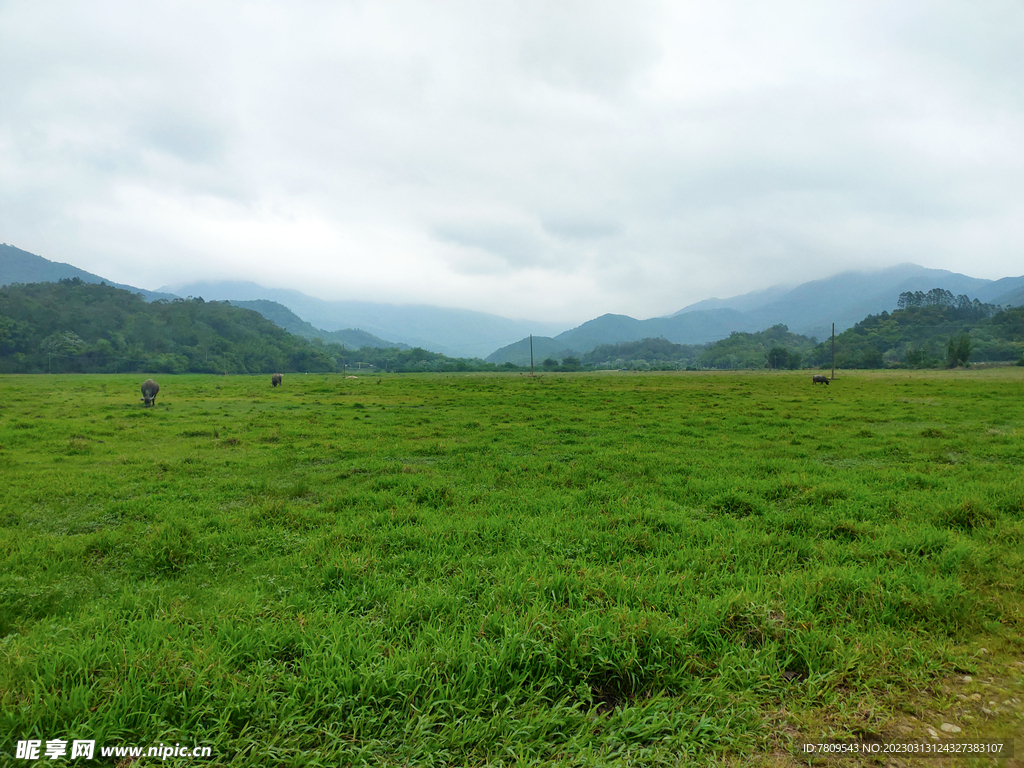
775, 347
933, 329
929, 330
74, 326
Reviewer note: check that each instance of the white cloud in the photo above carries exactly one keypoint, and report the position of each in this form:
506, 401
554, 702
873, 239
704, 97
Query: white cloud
533, 159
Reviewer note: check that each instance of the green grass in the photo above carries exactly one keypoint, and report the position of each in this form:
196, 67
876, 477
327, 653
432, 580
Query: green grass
433, 570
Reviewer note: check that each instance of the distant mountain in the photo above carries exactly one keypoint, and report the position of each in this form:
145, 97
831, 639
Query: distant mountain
691, 328
455, 332
743, 303
808, 309
18, 266
1013, 297
543, 348
283, 317
849, 297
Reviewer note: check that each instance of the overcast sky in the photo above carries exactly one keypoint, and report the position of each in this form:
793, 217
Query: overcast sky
551, 160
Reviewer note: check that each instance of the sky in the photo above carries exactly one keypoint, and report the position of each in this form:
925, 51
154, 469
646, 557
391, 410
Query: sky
545, 160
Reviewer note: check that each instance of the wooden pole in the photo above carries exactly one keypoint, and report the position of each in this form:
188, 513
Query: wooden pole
833, 350
531, 354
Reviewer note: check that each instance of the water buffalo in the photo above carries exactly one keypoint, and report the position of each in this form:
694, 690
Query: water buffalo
149, 390
819, 378
276, 379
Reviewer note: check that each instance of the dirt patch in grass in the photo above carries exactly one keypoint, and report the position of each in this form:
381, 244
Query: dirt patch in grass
987, 705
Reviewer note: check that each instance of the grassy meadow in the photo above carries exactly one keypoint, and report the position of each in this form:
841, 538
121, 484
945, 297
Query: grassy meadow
577, 569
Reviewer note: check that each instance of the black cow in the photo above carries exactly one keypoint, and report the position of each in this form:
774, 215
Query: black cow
819, 378
276, 379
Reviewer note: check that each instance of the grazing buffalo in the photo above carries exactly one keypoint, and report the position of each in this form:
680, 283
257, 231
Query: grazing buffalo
819, 378
149, 390
276, 379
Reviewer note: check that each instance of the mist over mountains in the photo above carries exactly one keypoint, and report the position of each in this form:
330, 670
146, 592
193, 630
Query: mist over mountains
18, 266
847, 298
453, 332
808, 309
280, 315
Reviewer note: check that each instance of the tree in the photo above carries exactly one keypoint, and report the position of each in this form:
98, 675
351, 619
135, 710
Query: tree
63, 343
939, 297
550, 363
910, 299
570, 362
778, 357
958, 351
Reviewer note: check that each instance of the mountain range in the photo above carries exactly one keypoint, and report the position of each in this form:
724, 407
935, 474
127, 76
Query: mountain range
809, 308
847, 298
453, 332
280, 315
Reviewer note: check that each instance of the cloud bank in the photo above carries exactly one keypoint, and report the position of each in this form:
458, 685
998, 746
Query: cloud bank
546, 160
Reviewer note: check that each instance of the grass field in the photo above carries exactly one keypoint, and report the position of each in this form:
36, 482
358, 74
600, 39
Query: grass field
639, 569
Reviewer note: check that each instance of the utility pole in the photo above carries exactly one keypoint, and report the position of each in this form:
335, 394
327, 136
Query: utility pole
833, 350
531, 354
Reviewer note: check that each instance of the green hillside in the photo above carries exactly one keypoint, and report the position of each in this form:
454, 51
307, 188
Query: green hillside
543, 347
929, 330
688, 329
775, 347
646, 354
74, 326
